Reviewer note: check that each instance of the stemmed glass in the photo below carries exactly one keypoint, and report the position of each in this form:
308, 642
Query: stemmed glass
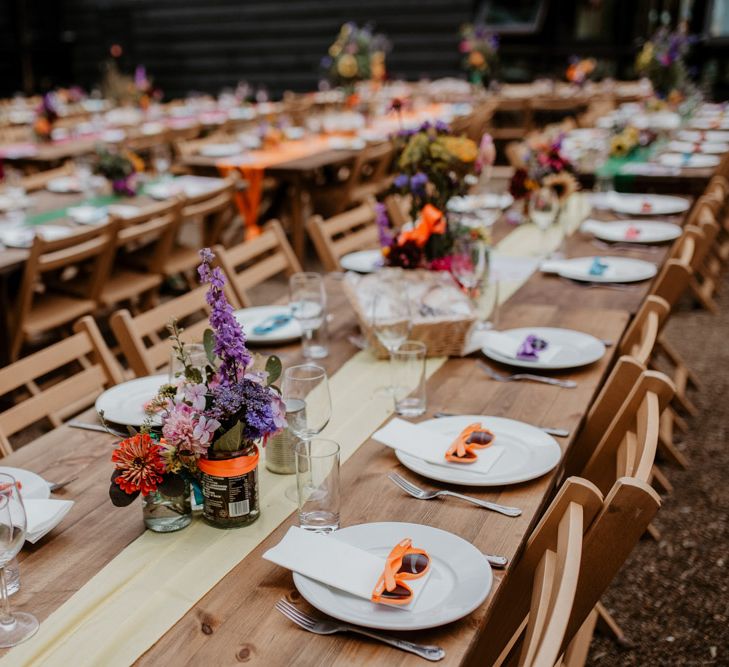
15, 627
469, 262
391, 318
308, 302
162, 161
543, 210
305, 391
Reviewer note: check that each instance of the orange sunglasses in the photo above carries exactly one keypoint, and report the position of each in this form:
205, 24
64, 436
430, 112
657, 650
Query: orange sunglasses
471, 438
404, 562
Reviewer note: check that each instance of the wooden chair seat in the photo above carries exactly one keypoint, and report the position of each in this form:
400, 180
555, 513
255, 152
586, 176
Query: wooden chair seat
51, 311
125, 285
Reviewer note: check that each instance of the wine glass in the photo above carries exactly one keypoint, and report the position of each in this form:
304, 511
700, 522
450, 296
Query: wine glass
543, 209
15, 627
469, 262
305, 392
162, 161
391, 318
308, 302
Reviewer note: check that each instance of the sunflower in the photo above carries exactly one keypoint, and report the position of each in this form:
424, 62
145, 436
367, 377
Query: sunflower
563, 183
620, 146
461, 148
347, 66
139, 464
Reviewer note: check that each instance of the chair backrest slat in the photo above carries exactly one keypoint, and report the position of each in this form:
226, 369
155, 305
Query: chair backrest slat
642, 334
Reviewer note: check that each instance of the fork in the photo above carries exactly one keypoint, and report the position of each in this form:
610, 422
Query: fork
421, 494
567, 384
558, 432
84, 426
593, 285
57, 486
625, 246
329, 627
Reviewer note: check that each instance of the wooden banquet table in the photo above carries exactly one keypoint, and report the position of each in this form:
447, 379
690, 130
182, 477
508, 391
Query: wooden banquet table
235, 621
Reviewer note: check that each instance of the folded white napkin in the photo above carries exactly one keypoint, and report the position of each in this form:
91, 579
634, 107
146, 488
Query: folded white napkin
431, 446
648, 169
43, 516
553, 265
335, 563
508, 345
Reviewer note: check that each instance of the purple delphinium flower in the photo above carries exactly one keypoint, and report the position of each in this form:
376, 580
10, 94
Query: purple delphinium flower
418, 183
382, 221
442, 126
401, 181
230, 341
258, 407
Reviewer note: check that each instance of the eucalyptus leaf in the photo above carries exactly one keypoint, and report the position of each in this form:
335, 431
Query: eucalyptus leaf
231, 440
273, 368
209, 345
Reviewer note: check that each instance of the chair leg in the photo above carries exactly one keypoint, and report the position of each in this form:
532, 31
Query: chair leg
659, 481
609, 626
671, 452
676, 359
653, 532
703, 293
579, 648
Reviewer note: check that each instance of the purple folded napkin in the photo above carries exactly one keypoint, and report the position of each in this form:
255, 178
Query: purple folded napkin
531, 347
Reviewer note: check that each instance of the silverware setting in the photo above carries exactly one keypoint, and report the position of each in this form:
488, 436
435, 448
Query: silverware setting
86, 426
358, 341
57, 486
558, 432
497, 562
329, 627
566, 384
593, 285
421, 494
643, 247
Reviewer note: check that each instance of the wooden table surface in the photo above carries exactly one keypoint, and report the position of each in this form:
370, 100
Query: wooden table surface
235, 621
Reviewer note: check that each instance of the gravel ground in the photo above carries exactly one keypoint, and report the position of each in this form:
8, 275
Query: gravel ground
672, 597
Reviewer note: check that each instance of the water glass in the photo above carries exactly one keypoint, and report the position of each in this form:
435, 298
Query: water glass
15, 627
408, 378
195, 357
308, 304
317, 482
391, 317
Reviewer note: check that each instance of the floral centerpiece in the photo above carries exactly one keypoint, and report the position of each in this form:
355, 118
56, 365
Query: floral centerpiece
205, 426
543, 165
45, 116
357, 54
121, 169
480, 49
432, 167
629, 139
663, 60
579, 70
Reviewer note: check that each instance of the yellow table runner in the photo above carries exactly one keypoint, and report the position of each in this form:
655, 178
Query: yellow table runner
123, 610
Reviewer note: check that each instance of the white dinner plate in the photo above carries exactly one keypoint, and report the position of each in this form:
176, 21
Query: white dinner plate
529, 453
714, 123
617, 231
488, 200
689, 160
644, 204
250, 318
22, 237
460, 579
64, 185
716, 136
124, 403
31, 485
220, 150
619, 269
576, 348
362, 261
13, 203
710, 147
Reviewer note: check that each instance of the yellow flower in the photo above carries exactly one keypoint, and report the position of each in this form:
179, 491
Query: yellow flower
461, 148
619, 147
335, 49
347, 66
632, 134
476, 59
137, 162
645, 57
563, 183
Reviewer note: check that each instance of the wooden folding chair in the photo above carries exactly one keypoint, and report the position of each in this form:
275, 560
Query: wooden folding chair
642, 335
343, 233
51, 389
211, 214
529, 617
144, 339
250, 263
612, 528
44, 303
142, 243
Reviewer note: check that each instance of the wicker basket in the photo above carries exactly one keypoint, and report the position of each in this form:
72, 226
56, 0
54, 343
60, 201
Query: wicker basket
443, 336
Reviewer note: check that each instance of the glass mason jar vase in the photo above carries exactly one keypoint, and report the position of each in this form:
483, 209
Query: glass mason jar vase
166, 514
230, 491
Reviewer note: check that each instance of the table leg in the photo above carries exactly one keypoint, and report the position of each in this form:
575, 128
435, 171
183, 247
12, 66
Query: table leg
297, 203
